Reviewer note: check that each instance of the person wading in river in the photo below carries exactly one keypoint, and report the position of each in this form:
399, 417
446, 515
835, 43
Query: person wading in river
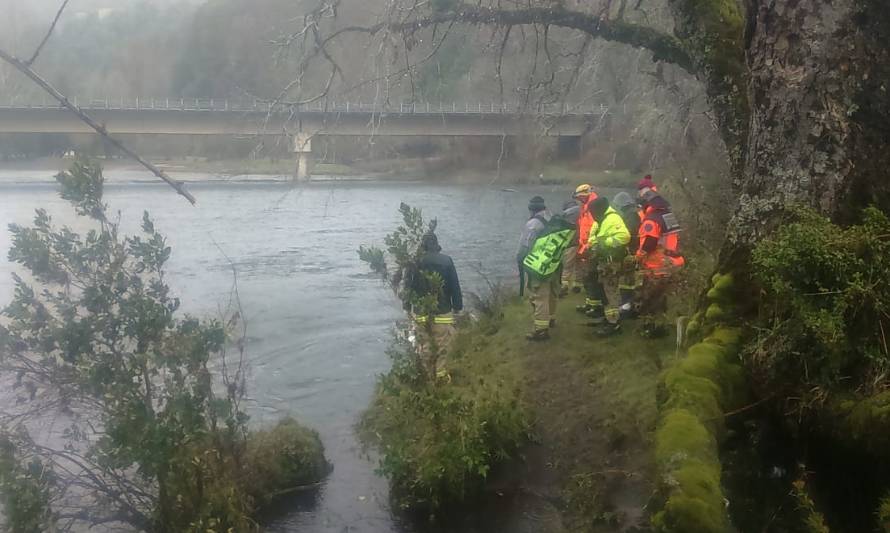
435, 271
542, 244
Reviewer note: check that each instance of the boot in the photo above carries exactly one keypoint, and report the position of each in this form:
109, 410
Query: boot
583, 309
538, 335
552, 322
563, 291
576, 290
608, 330
627, 313
596, 313
653, 331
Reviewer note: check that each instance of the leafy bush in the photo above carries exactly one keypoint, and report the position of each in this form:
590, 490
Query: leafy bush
418, 291
827, 297
440, 441
99, 343
25, 485
282, 459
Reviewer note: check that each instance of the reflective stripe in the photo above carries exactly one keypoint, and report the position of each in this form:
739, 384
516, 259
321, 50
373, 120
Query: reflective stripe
626, 287
542, 324
612, 314
593, 303
438, 319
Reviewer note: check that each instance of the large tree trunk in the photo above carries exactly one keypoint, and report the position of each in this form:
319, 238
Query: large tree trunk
819, 92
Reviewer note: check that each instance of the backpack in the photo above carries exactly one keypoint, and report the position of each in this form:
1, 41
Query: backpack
545, 256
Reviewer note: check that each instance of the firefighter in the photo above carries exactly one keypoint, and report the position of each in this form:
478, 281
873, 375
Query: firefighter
629, 280
659, 259
608, 247
593, 303
571, 211
435, 334
542, 244
646, 184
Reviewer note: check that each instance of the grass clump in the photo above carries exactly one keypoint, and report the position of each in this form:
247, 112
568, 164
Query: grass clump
281, 460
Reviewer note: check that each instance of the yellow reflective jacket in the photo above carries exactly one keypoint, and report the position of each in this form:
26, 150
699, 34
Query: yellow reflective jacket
611, 233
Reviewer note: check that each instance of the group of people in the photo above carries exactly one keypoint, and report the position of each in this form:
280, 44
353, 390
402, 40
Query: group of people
624, 252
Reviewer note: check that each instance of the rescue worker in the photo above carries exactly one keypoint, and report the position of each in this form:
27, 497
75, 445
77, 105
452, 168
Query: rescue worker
629, 280
608, 247
435, 334
659, 258
542, 244
646, 184
570, 212
593, 304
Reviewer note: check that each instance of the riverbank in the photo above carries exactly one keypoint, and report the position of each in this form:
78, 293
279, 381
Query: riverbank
403, 169
588, 464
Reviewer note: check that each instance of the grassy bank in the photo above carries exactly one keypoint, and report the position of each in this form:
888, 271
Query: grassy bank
586, 463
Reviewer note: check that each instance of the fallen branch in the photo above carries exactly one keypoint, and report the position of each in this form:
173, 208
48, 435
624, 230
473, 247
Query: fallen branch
25, 69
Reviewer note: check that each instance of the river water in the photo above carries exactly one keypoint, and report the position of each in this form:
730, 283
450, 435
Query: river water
318, 323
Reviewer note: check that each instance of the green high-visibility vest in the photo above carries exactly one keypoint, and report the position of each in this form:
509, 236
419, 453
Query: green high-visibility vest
545, 257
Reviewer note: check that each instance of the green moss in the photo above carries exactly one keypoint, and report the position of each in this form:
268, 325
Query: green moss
884, 514
686, 454
862, 420
698, 395
715, 313
282, 459
699, 389
727, 337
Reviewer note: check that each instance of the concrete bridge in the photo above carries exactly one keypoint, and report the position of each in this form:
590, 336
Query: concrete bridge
190, 116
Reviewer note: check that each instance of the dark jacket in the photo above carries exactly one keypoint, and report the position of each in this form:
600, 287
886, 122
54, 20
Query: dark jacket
450, 300
631, 218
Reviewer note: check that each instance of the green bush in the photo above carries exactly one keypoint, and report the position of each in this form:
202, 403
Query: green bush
827, 297
24, 490
440, 441
280, 460
94, 330
884, 515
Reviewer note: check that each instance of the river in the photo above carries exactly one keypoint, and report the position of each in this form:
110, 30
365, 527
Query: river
318, 323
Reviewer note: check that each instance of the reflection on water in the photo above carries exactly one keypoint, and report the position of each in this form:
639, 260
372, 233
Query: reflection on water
318, 322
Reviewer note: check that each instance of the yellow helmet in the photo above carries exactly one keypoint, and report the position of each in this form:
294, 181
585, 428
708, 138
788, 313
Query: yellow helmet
583, 190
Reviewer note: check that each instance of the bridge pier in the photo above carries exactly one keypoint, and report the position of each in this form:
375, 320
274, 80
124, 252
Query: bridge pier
303, 151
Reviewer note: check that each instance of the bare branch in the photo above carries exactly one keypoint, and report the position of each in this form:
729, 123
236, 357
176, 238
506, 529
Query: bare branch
49, 33
25, 69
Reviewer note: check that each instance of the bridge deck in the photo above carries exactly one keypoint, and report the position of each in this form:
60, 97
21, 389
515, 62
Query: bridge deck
224, 117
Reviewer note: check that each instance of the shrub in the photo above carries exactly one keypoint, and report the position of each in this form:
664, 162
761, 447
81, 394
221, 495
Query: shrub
826, 297
95, 336
439, 441
282, 459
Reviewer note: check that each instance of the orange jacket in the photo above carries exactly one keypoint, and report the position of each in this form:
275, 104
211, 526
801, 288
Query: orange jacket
585, 222
665, 256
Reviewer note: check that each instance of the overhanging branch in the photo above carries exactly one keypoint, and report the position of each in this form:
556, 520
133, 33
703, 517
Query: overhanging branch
25, 69
664, 47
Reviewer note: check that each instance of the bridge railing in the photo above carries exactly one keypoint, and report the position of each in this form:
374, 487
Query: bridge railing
318, 106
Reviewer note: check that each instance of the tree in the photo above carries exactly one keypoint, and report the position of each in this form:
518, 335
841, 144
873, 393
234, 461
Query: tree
797, 89
798, 93
155, 435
